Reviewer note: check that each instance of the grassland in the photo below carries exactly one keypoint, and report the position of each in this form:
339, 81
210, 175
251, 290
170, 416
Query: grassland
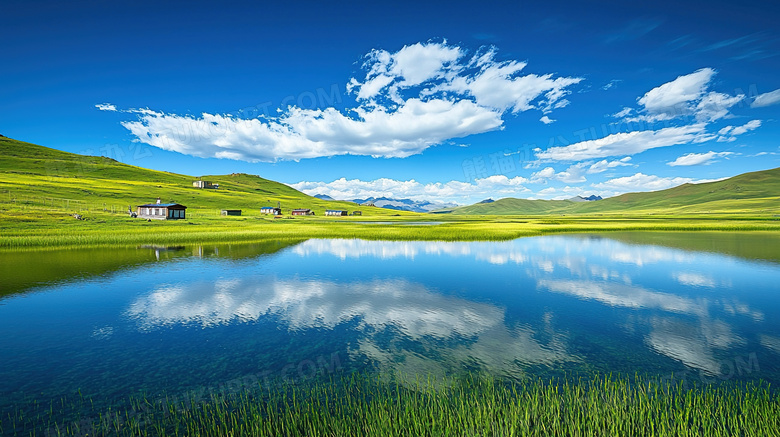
41, 188
366, 405
748, 193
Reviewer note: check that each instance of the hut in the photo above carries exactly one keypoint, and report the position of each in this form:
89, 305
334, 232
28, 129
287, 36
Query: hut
161, 211
301, 211
356, 213
204, 184
271, 210
336, 212
231, 212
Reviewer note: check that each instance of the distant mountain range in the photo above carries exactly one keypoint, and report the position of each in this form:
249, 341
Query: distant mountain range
395, 204
404, 204
590, 198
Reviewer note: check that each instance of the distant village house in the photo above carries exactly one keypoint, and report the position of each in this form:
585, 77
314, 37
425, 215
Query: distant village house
231, 212
302, 212
161, 211
337, 212
271, 210
205, 184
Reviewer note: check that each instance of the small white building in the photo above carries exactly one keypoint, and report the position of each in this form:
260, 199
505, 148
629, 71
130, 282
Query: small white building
204, 184
336, 212
271, 210
162, 211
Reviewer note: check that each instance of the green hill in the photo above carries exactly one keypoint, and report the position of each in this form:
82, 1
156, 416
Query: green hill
42, 188
756, 192
38, 176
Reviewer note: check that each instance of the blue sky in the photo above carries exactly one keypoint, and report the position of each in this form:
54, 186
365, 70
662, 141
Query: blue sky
450, 101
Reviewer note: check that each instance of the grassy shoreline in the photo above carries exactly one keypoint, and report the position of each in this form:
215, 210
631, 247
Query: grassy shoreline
58, 230
363, 404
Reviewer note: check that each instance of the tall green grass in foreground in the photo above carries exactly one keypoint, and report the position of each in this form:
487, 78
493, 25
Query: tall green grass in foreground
363, 405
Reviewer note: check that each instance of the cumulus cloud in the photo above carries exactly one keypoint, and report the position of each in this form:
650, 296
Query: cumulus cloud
626, 143
572, 175
677, 95
410, 66
643, 182
685, 105
306, 133
766, 99
698, 158
546, 120
686, 96
408, 101
542, 175
452, 191
500, 85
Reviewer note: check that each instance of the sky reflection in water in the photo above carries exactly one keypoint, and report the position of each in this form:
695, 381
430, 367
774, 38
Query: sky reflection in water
564, 304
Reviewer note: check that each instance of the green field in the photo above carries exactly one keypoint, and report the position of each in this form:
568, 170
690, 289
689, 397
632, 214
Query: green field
41, 189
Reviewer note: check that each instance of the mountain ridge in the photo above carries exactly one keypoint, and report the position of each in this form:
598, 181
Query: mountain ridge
404, 204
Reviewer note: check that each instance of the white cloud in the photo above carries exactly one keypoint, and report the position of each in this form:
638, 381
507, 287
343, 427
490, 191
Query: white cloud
643, 182
686, 102
572, 175
410, 66
686, 96
626, 143
674, 96
410, 100
542, 175
106, 107
715, 106
604, 165
546, 120
452, 191
610, 84
698, 158
306, 133
766, 99
729, 133
500, 85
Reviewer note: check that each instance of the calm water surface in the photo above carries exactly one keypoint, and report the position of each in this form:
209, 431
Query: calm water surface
111, 324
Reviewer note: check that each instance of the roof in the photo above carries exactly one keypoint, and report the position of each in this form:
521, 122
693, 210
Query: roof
270, 207
335, 210
158, 205
302, 209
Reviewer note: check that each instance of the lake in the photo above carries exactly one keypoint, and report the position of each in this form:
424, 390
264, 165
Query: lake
189, 321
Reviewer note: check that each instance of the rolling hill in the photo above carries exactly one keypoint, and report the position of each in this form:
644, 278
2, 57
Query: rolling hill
33, 174
62, 181
755, 192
